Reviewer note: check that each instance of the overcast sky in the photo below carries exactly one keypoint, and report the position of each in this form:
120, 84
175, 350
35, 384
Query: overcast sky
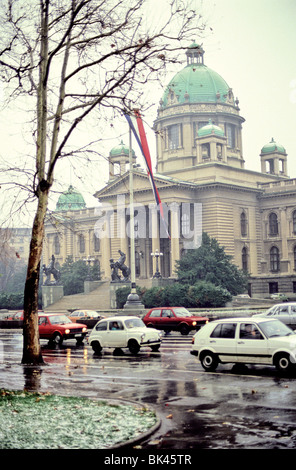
252, 45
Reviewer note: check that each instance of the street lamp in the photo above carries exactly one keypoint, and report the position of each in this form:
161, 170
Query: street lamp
89, 259
156, 255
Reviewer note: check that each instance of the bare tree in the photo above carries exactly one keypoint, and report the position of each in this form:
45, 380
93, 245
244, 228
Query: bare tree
69, 58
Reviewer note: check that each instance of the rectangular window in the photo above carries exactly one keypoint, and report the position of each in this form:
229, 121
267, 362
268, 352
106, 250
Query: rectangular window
173, 137
230, 131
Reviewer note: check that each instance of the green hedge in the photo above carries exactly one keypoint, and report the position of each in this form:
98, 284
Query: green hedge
201, 295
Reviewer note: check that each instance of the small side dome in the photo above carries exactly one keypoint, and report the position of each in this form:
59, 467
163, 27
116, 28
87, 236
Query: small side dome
70, 200
210, 129
120, 149
273, 146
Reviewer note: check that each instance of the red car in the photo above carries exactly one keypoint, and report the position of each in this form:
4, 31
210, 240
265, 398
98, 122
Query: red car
173, 318
57, 327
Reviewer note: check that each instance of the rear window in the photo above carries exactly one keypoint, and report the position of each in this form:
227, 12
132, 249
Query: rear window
155, 313
224, 330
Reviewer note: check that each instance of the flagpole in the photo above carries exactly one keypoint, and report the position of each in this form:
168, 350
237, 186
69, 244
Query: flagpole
133, 301
132, 216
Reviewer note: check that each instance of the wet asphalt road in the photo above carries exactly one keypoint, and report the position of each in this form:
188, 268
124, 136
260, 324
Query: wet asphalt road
249, 408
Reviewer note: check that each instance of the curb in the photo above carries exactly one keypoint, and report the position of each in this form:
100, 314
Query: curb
140, 437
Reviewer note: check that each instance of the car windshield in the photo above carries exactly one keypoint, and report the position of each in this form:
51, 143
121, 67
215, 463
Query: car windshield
59, 320
182, 312
275, 328
134, 323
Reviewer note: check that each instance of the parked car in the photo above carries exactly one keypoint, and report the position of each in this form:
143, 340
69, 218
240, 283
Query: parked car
285, 312
19, 315
16, 316
84, 314
123, 332
279, 296
245, 340
174, 318
58, 327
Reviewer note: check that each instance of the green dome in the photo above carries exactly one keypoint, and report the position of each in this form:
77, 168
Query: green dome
70, 200
197, 83
210, 129
272, 146
120, 149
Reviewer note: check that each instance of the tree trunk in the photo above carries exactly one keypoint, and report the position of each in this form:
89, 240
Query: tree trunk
31, 346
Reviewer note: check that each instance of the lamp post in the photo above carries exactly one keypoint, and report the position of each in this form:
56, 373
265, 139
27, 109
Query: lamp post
156, 255
88, 260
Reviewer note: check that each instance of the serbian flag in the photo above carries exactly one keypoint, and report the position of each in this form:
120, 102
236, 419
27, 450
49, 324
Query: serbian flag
137, 127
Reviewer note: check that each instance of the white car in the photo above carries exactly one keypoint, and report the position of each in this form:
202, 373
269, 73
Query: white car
286, 312
123, 332
247, 341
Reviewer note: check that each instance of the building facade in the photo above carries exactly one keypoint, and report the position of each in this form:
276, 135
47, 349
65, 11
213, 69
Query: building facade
204, 186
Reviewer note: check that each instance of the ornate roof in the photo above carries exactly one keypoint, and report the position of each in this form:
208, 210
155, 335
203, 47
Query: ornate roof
70, 200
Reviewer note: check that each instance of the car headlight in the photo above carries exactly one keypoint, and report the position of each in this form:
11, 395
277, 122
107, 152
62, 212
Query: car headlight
193, 323
84, 330
142, 337
67, 332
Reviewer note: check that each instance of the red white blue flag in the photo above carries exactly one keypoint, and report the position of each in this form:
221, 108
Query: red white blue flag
137, 127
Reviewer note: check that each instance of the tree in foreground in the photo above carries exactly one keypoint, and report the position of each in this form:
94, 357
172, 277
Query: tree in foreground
71, 59
210, 263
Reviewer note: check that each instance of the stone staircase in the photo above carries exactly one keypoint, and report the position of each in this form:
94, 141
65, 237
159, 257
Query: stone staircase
98, 299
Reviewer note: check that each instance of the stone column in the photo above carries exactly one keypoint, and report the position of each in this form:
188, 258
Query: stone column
175, 235
106, 247
154, 232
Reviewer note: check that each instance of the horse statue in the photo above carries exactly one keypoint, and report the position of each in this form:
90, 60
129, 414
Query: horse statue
51, 270
119, 265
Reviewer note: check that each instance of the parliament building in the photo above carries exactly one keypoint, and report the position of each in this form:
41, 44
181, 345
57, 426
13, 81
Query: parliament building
203, 185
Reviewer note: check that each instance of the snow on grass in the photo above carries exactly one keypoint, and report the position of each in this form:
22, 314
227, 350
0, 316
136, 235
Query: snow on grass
45, 421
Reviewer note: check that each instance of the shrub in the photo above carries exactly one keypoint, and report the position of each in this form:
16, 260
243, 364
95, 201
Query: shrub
205, 294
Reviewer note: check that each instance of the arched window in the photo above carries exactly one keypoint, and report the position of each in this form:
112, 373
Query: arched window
245, 259
274, 259
81, 242
243, 223
294, 221
273, 224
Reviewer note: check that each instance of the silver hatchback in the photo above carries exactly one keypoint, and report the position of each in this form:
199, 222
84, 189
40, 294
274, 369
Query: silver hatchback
285, 312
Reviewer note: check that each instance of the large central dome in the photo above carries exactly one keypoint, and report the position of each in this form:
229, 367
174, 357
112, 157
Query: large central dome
196, 83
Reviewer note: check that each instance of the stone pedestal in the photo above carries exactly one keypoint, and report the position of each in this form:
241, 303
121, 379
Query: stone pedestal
113, 288
51, 294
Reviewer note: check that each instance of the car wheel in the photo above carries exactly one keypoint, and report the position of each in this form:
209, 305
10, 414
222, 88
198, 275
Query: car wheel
209, 361
282, 362
97, 348
184, 329
133, 346
57, 339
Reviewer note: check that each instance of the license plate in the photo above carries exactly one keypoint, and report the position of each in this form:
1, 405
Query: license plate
78, 336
